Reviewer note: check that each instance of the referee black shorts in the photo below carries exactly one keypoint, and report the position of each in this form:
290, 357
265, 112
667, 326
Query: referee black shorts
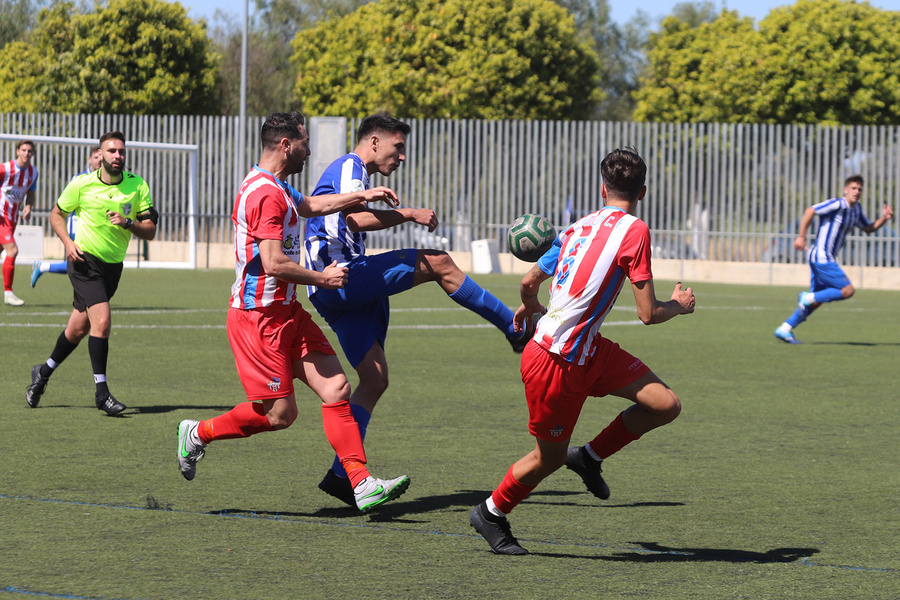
93, 281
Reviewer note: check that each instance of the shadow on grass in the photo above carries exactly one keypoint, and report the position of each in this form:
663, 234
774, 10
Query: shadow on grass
861, 344
651, 552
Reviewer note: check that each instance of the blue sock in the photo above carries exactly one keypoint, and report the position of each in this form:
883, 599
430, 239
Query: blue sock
480, 301
362, 417
798, 317
57, 267
828, 295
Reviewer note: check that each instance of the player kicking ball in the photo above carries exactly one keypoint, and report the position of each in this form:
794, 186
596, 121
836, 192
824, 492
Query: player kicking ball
568, 360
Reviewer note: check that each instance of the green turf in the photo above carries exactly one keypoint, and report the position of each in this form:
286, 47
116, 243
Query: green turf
779, 480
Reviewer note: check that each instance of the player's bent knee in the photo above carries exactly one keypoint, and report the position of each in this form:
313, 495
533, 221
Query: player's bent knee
283, 419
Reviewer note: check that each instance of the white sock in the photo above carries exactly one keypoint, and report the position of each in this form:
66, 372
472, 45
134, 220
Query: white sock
785, 327
492, 508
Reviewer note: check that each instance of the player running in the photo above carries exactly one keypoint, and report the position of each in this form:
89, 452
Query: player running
568, 360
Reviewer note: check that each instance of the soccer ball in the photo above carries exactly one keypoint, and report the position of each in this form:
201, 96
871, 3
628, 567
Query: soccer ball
530, 236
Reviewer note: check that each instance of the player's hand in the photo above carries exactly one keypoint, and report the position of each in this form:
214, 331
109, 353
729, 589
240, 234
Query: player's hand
334, 276
115, 218
800, 242
525, 315
26, 212
887, 212
426, 217
382, 194
684, 298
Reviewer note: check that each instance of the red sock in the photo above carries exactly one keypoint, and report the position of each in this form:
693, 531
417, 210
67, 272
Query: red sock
244, 420
342, 432
612, 439
9, 269
509, 493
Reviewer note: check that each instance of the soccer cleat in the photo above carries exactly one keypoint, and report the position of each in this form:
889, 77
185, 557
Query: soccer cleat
36, 272
578, 460
495, 530
189, 452
108, 404
34, 391
518, 343
372, 492
786, 336
339, 487
12, 299
805, 299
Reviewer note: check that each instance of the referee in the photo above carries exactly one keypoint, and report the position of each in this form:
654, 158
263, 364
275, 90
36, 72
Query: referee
112, 205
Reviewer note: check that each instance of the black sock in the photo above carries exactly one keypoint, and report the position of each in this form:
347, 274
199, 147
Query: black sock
98, 348
60, 352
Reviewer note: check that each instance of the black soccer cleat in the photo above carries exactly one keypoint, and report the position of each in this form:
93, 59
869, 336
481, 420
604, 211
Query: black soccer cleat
495, 530
339, 487
578, 460
108, 404
34, 391
518, 343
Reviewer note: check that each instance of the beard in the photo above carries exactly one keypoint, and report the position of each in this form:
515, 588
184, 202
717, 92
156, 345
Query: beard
111, 169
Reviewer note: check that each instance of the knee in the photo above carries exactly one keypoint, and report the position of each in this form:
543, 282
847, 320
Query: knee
335, 391
283, 418
670, 408
848, 291
12, 251
440, 263
375, 385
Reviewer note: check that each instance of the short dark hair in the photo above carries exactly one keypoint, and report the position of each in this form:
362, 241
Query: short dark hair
112, 135
21, 143
94, 148
380, 122
624, 173
854, 179
281, 125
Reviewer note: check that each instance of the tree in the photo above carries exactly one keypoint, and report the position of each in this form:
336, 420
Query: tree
130, 57
456, 59
18, 18
822, 61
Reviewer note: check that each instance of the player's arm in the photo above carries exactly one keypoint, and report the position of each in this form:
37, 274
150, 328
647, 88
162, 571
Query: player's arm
366, 219
528, 291
58, 223
805, 222
29, 201
277, 264
313, 206
887, 213
144, 229
651, 311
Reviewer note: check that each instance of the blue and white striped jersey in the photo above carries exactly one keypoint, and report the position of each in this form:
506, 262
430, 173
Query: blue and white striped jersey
328, 238
836, 219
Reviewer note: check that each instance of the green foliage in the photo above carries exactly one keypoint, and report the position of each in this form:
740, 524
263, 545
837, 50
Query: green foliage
18, 17
457, 59
824, 61
128, 57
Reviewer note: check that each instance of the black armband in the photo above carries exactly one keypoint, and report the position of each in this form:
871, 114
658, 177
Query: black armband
151, 213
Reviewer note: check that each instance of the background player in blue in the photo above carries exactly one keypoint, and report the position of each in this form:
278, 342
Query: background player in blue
828, 282
359, 312
59, 266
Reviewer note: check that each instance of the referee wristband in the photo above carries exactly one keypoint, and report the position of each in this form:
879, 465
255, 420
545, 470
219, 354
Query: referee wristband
128, 223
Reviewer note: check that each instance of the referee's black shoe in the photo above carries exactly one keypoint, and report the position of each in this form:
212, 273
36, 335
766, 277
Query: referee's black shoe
108, 404
495, 530
34, 391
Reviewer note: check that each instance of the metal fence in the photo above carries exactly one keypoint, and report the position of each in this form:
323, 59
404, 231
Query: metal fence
715, 191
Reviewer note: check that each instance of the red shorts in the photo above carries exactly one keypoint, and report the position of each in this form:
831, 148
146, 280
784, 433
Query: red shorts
7, 231
267, 342
556, 389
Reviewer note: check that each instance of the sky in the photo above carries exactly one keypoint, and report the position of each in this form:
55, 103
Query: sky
621, 10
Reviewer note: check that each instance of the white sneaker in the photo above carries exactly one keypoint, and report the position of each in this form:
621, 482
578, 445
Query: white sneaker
371, 492
189, 450
12, 299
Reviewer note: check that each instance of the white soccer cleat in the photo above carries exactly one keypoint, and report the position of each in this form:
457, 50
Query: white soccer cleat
372, 492
189, 451
12, 299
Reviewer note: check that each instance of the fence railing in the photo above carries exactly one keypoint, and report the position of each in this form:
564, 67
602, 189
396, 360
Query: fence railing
724, 192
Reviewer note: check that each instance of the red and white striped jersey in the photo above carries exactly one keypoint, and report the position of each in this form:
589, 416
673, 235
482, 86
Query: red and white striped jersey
265, 209
15, 182
596, 254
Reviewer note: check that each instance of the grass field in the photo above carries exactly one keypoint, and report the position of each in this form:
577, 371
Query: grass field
779, 480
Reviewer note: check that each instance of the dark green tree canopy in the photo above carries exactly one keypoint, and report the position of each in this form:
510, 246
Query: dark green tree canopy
130, 56
817, 61
449, 59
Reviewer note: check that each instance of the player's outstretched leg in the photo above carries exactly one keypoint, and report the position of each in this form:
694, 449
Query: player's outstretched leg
495, 530
480, 301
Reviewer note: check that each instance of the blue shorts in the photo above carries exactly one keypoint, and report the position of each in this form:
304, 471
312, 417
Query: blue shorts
359, 312
827, 275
